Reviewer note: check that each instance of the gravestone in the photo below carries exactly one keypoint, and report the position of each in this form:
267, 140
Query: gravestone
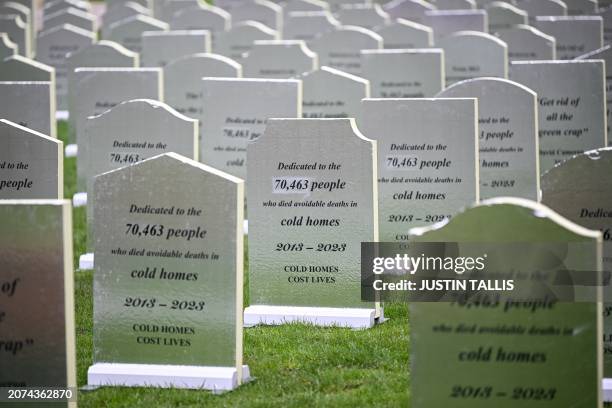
7, 47
279, 59
341, 48
304, 203
31, 164
456, 4
21, 10
304, 5
503, 16
535, 8
234, 111
405, 34
526, 43
128, 32
414, 73
447, 22
203, 17
239, 39
161, 47
52, 48
605, 54
427, 160
581, 7
182, 73
307, 25
121, 11
20, 68
186, 330
499, 342
262, 11
59, 5
30, 104
73, 16
571, 100
508, 136
472, 54
606, 16
36, 260
18, 32
96, 90
575, 35
579, 189
330, 93
33, 23
413, 10
170, 8
363, 15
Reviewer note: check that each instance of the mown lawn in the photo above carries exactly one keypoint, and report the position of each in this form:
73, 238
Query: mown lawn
293, 365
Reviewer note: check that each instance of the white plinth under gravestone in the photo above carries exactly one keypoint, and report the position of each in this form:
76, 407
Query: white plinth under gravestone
535, 8
18, 32
330, 93
121, 11
30, 104
405, 34
279, 59
414, 73
262, 11
363, 15
471, 54
12, 8
572, 107
52, 47
202, 17
311, 204
579, 189
604, 53
234, 111
508, 136
526, 43
581, 7
182, 73
575, 35
7, 46
36, 260
73, 16
238, 40
128, 32
427, 160
503, 16
341, 48
413, 10
31, 164
510, 346
97, 90
161, 47
307, 25
446, 22
456, 4
303, 5
168, 278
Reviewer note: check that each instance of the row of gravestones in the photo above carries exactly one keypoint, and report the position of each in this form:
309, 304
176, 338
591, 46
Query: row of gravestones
169, 268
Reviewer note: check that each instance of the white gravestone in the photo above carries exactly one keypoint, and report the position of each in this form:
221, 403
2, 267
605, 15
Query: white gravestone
170, 8
413, 73
279, 59
503, 16
456, 4
535, 8
203, 17
575, 35
30, 104
405, 34
606, 16
235, 111
363, 15
571, 100
508, 136
413, 10
128, 32
7, 47
121, 11
24, 13
304, 5
427, 160
72, 16
18, 32
262, 11
238, 40
447, 22
605, 54
341, 48
330, 93
31, 164
581, 7
472, 54
526, 43
161, 47
310, 209
307, 25
20, 68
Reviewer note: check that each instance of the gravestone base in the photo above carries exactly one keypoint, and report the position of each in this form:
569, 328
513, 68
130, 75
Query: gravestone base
607, 389
166, 376
318, 316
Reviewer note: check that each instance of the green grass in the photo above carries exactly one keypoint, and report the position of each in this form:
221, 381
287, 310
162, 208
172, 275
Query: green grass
294, 365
